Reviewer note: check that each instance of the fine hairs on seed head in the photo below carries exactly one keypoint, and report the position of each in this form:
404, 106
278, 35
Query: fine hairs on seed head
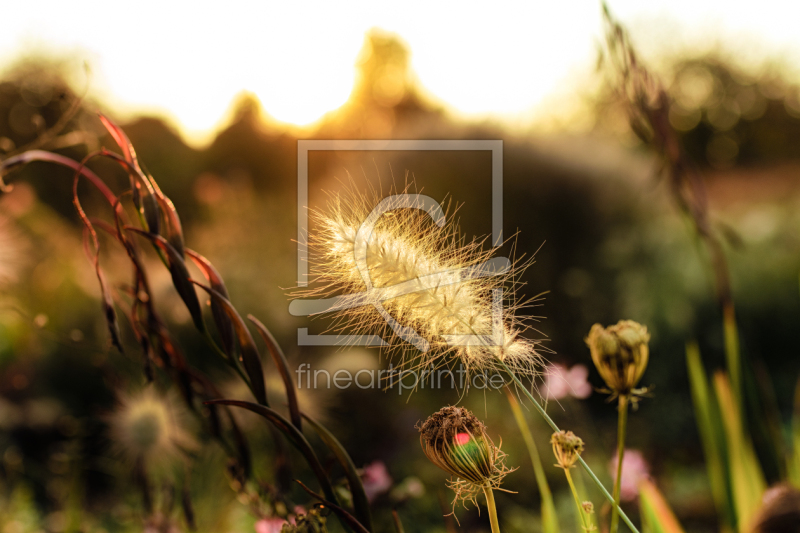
441, 301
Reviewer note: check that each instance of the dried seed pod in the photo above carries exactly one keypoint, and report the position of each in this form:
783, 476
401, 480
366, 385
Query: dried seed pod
780, 510
620, 353
567, 447
456, 441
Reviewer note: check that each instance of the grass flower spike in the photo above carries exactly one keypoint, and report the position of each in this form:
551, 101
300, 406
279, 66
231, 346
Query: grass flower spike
400, 258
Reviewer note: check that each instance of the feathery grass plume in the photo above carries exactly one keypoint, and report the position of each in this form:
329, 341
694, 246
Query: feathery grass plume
456, 441
397, 267
145, 426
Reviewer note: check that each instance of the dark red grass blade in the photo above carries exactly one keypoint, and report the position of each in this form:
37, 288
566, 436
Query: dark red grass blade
180, 276
341, 513
293, 434
283, 368
41, 155
360, 501
221, 318
250, 358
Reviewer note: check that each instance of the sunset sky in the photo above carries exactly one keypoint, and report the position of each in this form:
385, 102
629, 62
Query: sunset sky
508, 61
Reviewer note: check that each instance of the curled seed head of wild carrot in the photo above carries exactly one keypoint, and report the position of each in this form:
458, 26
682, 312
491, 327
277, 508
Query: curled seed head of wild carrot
456, 441
620, 353
567, 447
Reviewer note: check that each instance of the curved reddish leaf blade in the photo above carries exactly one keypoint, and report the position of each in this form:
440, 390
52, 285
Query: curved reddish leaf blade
343, 515
221, 318
242, 447
360, 501
144, 196
174, 227
147, 202
293, 434
283, 367
41, 155
109, 311
180, 277
250, 358
121, 139
151, 211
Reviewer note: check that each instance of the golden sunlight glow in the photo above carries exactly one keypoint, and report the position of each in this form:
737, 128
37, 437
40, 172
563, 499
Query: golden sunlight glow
503, 61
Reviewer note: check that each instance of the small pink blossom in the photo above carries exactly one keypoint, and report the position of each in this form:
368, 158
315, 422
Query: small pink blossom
634, 470
270, 525
560, 382
376, 479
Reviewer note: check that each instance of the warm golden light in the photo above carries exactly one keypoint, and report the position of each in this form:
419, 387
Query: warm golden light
503, 62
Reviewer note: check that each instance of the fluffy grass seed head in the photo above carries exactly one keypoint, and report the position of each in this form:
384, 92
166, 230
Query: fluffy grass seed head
620, 353
418, 267
456, 441
145, 426
567, 447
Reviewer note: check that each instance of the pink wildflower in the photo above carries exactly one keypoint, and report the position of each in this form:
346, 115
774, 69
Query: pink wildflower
376, 479
634, 470
560, 382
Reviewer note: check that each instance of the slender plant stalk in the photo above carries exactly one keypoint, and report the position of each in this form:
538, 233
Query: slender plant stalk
549, 518
732, 354
398, 525
621, 428
487, 490
553, 425
578, 505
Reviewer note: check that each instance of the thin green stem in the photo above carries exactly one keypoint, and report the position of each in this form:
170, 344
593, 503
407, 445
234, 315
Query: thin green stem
621, 428
732, 353
487, 490
577, 500
549, 519
553, 425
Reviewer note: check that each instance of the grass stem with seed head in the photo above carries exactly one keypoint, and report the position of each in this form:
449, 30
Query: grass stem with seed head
549, 518
487, 490
578, 505
621, 428
553, 425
